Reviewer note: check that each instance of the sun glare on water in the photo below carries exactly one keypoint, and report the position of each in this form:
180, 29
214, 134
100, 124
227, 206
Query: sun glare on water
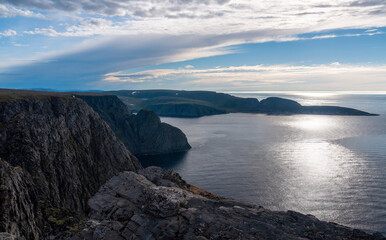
312, 123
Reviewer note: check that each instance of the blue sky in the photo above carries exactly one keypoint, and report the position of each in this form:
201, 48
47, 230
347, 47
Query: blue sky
219, 45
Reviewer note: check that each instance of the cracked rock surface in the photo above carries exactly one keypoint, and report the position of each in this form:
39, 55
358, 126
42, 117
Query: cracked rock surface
157, 204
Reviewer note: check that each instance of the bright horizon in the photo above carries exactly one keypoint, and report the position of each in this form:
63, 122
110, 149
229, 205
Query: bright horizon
222, 45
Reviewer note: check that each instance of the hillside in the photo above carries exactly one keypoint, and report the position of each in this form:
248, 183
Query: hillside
173, 103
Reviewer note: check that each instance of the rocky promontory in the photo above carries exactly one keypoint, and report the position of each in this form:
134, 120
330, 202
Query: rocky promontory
155, 203
142, 133
280, 106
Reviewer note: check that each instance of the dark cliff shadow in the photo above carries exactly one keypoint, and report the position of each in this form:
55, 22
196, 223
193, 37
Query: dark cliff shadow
168, 161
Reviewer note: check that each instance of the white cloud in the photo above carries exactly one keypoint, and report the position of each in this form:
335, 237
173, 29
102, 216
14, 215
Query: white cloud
7, 11
371, 30
19, 44
86, 27
265, 77
139, 8
210, 16
45, 31
8, 33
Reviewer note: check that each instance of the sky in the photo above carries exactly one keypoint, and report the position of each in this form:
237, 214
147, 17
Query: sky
221, 45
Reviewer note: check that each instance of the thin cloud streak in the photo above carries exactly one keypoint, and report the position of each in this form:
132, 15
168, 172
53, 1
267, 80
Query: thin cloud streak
90, 61
96, 57
270, 77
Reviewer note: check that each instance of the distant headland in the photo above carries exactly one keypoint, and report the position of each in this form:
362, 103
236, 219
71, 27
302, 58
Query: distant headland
190, 104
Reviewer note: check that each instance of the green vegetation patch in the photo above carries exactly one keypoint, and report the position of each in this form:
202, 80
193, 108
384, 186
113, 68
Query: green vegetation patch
60, 218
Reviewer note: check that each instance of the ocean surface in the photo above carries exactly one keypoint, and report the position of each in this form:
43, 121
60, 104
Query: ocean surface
333, 167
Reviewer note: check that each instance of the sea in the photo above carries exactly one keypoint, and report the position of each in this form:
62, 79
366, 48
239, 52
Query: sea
332, 167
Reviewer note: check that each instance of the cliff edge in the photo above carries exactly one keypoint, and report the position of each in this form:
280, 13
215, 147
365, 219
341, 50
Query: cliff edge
55, 153
143, 133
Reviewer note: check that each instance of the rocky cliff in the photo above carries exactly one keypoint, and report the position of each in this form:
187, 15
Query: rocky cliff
155, 137
143, 133
157, 204
55, 153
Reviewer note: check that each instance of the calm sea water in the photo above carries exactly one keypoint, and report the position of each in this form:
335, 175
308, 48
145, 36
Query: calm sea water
333, 167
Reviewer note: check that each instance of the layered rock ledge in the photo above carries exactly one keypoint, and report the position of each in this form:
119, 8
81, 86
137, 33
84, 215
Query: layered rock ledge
155, 203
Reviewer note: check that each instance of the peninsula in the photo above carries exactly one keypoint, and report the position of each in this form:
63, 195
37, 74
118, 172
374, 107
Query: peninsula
173, 103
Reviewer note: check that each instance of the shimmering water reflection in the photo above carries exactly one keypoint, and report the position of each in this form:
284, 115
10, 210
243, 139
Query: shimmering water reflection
333, 167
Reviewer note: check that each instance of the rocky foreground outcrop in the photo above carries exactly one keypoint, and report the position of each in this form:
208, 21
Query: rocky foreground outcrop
155, 203
55, 153
143, 133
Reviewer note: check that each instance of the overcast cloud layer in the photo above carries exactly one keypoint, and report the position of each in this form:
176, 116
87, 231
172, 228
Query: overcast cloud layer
116, 35
206, 16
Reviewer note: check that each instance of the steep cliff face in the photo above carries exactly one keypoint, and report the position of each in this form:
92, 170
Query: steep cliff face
56, 152
155, 137
116, 115
143, 133
16, 204
157, 204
